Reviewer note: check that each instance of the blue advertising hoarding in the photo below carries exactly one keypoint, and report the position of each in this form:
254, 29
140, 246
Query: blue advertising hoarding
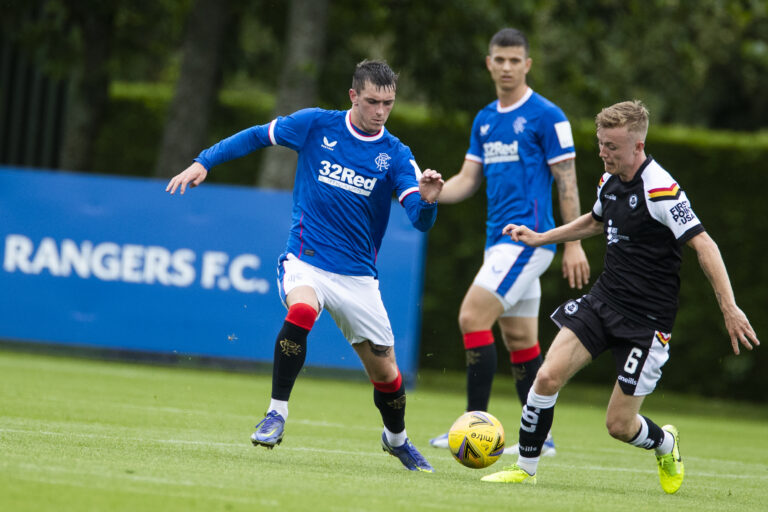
118, 263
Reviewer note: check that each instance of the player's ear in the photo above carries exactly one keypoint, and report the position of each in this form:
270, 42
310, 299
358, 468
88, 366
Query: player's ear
353, 96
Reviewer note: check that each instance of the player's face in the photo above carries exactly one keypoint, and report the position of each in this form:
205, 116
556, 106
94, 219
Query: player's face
619, 150
508, 66
371, 106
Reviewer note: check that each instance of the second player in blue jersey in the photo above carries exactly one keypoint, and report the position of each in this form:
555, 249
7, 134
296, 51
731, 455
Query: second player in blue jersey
520, 144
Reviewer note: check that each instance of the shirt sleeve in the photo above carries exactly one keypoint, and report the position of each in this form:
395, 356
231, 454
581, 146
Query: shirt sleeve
597, 208
421, 214
475, 151
671, 207
557, 136
289, 131
235, 146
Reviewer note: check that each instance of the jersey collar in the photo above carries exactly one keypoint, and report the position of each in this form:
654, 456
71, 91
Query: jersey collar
358, 134
517, 104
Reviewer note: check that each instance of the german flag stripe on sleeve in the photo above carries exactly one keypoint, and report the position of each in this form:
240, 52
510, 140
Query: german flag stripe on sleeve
663, 194
602, 180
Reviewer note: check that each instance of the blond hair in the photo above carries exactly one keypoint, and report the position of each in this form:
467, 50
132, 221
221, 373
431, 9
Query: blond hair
630, 114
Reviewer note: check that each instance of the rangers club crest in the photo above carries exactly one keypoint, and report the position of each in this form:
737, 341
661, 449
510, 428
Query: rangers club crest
519, 124
382, 161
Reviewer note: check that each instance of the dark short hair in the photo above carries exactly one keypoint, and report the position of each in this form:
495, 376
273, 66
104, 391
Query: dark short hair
508, 37
377, 72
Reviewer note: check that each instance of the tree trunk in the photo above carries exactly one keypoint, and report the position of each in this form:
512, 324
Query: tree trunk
298, 83
88, 93
186, 126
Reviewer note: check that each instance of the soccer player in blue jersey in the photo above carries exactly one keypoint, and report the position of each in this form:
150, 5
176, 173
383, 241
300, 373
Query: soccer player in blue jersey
646, 218
519, 143
349, 166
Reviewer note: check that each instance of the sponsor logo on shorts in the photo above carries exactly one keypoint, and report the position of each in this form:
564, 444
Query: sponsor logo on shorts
571, 307
628, 380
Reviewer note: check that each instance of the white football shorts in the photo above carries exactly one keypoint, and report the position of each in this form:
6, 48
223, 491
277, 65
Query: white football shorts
354, 302
511, 272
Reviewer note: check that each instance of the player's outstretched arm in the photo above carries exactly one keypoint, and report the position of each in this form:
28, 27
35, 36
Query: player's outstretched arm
430, 185
711, 262
193, 175
583, 227
464, 184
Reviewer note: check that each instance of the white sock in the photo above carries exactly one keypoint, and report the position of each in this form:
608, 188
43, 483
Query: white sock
395, 439
666, 445
528, 464
281, 406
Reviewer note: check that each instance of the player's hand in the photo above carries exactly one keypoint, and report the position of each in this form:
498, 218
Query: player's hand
740, 330
193, 175
575, 265
430, 185
523, 234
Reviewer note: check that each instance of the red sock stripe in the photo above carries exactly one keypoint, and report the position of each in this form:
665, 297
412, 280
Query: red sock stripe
302, 314
478, 339
525, 355
389, 387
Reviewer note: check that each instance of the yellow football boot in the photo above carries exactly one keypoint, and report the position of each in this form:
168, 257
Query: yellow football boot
671, 469
511, 475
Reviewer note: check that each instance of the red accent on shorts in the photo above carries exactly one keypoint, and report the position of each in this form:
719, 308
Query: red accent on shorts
525, 355
302, 314
478, 339
389, 387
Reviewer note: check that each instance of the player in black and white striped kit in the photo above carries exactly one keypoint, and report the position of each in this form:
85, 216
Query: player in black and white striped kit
646, 218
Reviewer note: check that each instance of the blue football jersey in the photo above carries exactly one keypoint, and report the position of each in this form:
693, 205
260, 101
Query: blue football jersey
345, 180
516, 145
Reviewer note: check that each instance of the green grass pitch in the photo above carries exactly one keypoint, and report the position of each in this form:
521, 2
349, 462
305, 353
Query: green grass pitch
84, 435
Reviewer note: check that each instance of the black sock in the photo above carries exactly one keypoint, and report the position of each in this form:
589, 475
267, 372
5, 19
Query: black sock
649, 436
392, 407
290, 353
525, 374
535, 424
481, 367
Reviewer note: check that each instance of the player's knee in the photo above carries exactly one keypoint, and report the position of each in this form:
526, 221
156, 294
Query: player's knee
620, 428
384, 374
466, 321
548, 382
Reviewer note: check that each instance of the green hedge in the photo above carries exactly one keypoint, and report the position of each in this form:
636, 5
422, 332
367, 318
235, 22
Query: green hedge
721, 173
